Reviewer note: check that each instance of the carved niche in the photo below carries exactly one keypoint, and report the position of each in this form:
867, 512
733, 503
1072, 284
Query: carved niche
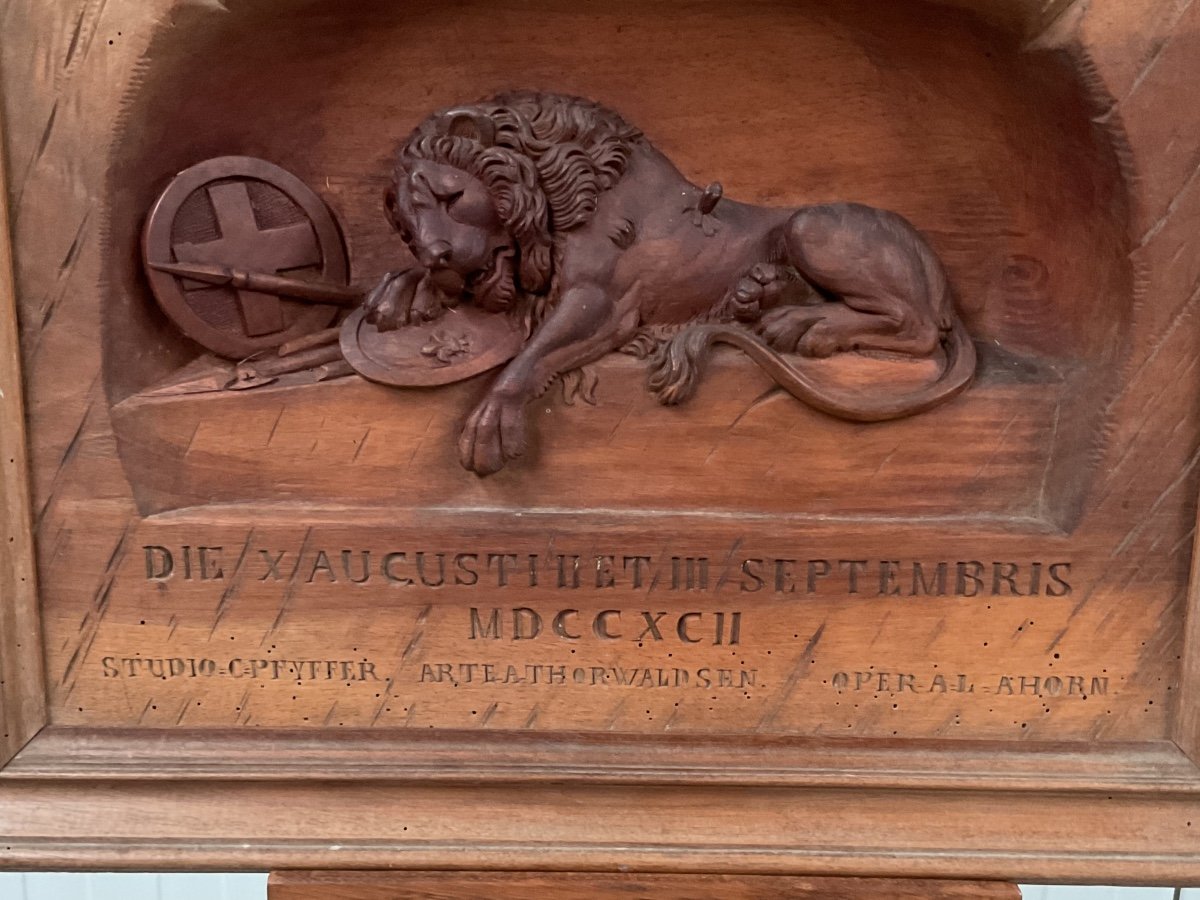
980, 258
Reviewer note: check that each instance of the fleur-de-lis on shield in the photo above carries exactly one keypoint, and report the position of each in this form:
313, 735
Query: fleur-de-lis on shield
444, 346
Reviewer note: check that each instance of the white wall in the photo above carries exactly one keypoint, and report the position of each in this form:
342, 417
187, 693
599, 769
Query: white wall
69, 886
64, 886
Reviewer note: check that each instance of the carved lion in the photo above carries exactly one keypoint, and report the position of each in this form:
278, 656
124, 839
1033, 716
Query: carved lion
554, 209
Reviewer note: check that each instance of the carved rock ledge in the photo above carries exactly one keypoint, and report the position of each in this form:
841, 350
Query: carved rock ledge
353, 443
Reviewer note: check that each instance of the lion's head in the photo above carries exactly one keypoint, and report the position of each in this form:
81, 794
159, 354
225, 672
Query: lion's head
483, 193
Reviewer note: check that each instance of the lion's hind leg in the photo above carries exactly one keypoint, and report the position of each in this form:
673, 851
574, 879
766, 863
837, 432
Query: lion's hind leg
870, 263
784, 328
830, 328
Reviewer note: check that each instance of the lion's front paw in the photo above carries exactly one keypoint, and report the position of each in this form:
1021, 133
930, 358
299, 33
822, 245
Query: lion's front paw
430, 303
407, 297
389, 302
494, 434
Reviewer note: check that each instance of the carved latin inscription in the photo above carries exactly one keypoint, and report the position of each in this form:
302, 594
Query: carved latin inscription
485, 570
561, 628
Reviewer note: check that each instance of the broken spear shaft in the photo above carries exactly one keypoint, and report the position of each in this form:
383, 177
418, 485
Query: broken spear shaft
264, 283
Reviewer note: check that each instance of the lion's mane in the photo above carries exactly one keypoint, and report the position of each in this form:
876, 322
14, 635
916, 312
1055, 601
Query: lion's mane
551, 159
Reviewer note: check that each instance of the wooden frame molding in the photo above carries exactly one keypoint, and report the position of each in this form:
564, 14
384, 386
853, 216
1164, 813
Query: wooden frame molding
516, 886
22, 692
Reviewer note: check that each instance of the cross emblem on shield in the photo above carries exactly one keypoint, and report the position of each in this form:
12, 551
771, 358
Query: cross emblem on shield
242, 213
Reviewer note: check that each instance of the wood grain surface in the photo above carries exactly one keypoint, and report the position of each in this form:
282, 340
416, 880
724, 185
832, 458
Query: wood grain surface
339, 442
22, 700
1029, 470
567, 885
974, 834
960, 646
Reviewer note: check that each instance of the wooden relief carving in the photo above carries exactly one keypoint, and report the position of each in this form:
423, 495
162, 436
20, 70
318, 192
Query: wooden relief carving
570, 236
280, 274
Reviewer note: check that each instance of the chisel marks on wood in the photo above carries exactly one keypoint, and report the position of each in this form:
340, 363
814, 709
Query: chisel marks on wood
290, 589
89, 626
794, 677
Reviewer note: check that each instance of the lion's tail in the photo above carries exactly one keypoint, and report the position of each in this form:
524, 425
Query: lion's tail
679, 366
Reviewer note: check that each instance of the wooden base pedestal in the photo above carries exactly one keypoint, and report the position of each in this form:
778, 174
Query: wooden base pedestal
592, 885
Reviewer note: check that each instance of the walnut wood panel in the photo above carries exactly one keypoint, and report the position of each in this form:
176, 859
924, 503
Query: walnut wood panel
22, 699
383, 755
1033, 472
1186, 732
604, 627
1048, 151
981, 834
566, 885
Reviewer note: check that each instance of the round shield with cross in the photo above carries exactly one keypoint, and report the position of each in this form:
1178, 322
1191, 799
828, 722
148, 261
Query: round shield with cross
248, 215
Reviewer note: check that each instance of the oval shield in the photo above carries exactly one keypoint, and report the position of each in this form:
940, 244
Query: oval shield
464, 342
